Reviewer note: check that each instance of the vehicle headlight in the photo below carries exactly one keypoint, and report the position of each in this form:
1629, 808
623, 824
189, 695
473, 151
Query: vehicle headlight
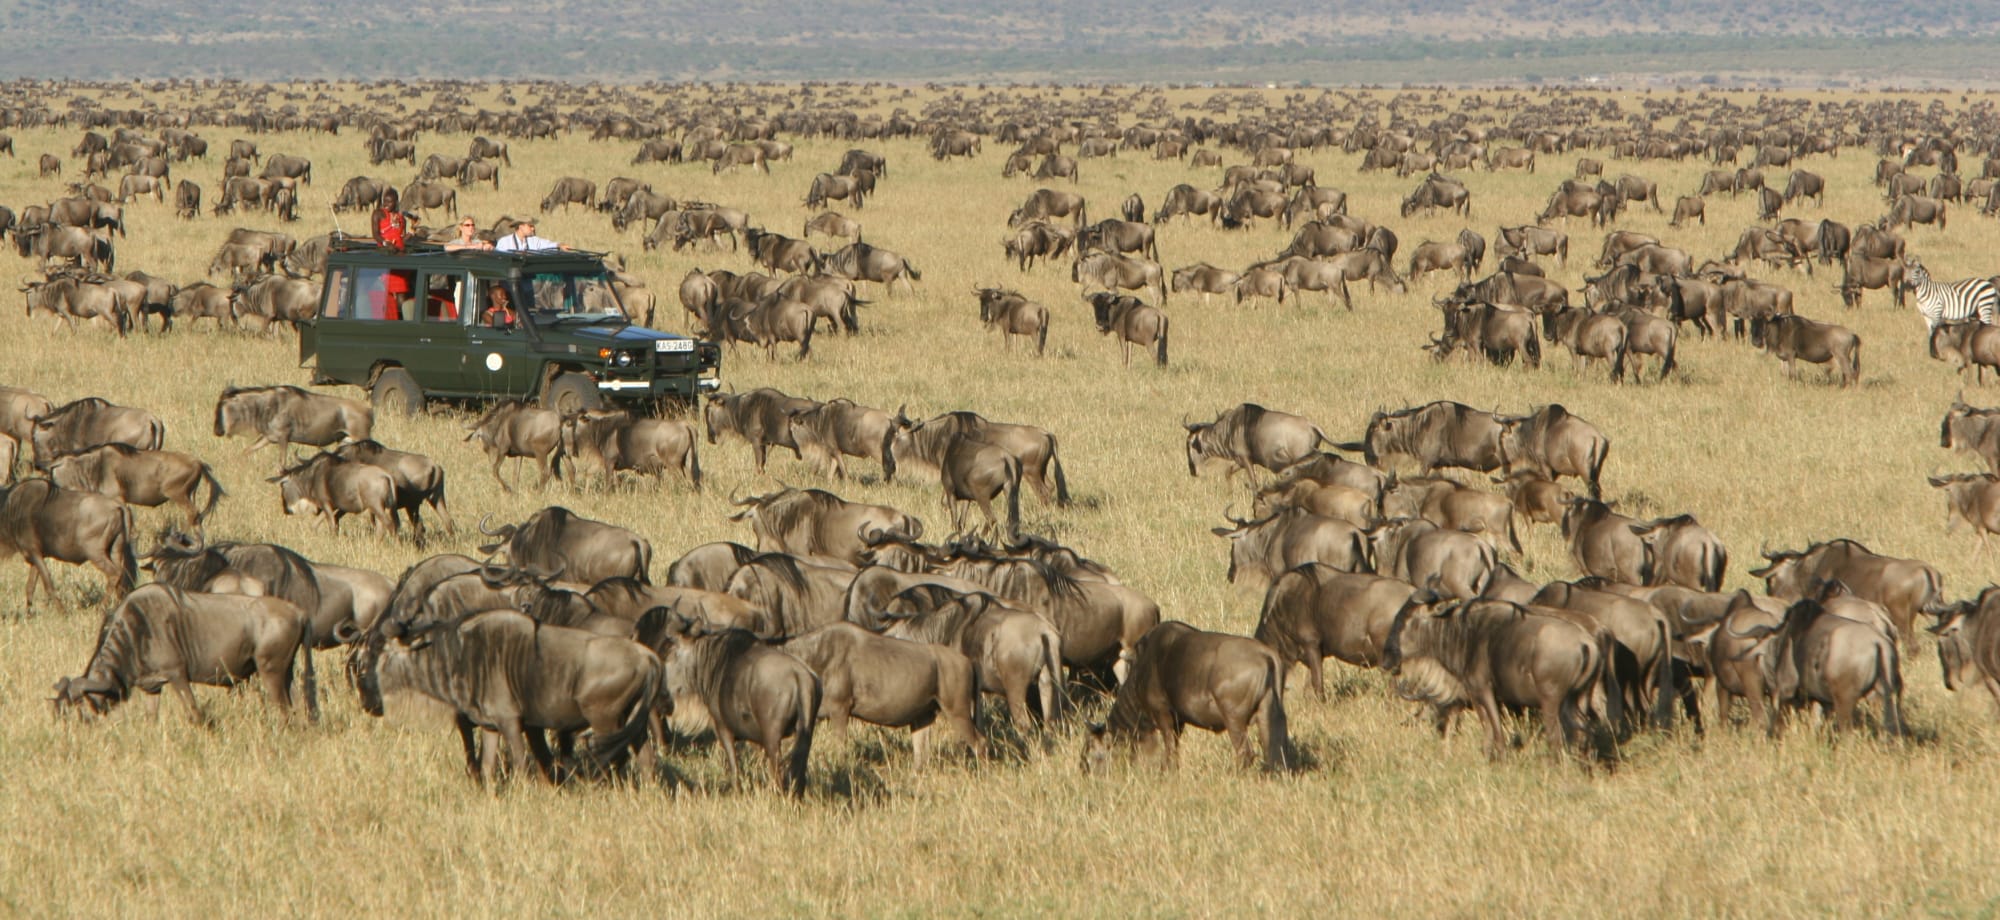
624, 359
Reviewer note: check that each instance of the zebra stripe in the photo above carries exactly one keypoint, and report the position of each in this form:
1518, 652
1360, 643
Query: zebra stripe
1951, 301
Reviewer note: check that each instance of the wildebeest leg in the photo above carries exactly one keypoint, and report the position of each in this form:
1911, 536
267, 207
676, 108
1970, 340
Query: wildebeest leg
497, 460
468, 737
40, 571
1237, 724
1170, 741
920, 745
1489, 717
1316, 667
1554, 726
516, 740
185, 691
547, 464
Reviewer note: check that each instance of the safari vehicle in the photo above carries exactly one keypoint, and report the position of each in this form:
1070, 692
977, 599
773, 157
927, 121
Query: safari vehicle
424, 324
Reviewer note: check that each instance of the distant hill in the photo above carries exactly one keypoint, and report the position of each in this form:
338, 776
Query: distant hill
1168, 40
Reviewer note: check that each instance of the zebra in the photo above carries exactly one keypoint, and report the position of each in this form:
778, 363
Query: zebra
1949, 301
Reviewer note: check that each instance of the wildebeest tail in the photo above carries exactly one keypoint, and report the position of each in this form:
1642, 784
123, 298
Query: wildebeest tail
1667, 361
889, 453
1042, 338
1514, 538
1714, 562
1618, 363
215, 493
128, 560
1160, 351
1534, 351
1062, 481
1598, 453
644, 551
806, 704
1051, 680
1933, 599
1607, 676
914, 274
1277, 735
1663, 679
1013, 497
691, 464
308, 678
611, 749
1890, 682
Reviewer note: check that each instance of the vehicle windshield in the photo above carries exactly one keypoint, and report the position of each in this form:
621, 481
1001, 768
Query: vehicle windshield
561, 296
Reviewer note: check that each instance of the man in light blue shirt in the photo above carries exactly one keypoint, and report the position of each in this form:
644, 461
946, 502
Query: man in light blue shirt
523, 239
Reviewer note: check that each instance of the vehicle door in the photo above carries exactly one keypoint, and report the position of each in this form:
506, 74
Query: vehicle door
370, 324
442, 358
500, 358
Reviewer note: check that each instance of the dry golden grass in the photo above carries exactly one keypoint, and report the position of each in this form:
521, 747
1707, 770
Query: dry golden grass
135, 815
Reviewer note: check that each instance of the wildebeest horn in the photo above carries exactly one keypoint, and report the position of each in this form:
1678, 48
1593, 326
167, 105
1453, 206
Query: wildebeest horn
482, 525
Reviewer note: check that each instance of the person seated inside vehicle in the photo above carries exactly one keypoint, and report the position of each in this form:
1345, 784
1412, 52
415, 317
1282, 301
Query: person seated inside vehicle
499, 309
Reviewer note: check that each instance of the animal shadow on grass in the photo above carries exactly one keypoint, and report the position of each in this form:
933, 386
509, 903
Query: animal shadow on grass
851, 782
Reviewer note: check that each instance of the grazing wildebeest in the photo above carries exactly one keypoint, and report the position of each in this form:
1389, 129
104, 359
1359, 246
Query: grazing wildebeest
841, 427
1589, 336
1532, 241
649, 446
1115, 272
833, 223
40, 520
284, 415
895, 683
1910, 210
1792, 338
1972, 430
1438, 191
160, 637
814, 522
924, 442
1905, 587
1250, 435
1689, 207
1494, 331
1858, 273
1186, 201
570, 190
1481, 654
333, 487
1818, 655
1037, 239
1014, 314
82, 424
1535, 292
734, 155
515, 429
1204, 278
827, 186
1185, 676
760, 416
1973, 498
1046, 203
1315, 611
1261, 549
1119, 236
1132, 321
742, 687
504, 672
1969, 645
557, 543
147, 478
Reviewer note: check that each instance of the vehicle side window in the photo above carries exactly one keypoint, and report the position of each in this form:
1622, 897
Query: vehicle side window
445, 297
339, 285
381, 294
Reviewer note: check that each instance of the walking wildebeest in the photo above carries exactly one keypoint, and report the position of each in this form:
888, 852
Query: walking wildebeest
649, 446
1482, 654
1905, 587
1817, 655
284, 415
40, 520
147, 478
1114, 272
1973, 498
1012, 650
1589, 336
1437, 434
841, 427
1792, 338
1315, 611
742, 687
333, 487
1450, 561
515, 429
924, 443
1606, 544
1684, 553
1553, 442
1014, 314
1968, 643
762, 417
1184, 676
1972, 430
160, 637
1968, 344
1288, 538
1250, 435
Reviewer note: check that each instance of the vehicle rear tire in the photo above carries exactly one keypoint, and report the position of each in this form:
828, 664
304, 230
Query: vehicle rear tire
571, 393
397, 393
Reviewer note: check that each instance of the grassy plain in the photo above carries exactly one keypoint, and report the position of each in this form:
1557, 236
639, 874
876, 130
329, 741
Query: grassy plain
141, 816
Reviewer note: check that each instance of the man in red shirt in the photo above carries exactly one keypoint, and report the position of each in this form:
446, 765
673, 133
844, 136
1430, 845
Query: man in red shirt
391, 224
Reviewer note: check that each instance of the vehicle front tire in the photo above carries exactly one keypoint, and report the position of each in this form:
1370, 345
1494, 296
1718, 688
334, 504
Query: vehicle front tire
571, 393
397, 393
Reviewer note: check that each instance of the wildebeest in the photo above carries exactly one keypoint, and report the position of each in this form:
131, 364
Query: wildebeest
503, 672
1315, 611
780, 253
1606, 544
1499, 333
1553, 442
832, 223
1037, 239
1132, 321
1186, 201
570, 190
841, 427
284, 415
1968, 645
147, 478
1013, 314
1205, 279
890, 682
1972, 430
1118, 236
1689, 207
1637, 641
1973, 498
1438, 191
742, 687
1482, 654
734, 155
1452, 562
815, 522
1460, 255
859, 261
1185, 676
82, 424
1012, 650
558, 543
160, 637
515, 429
1452, 506
1250, 435
1684, 553
1905, 587
649, 446
1792, 338
1046, 203
760, 416
333, 487
40, 520
1910, 210
1261, 549
1437, 434
1817, 655
1696, 300
1589, 336
924, 443
1968, 344
1532, 241
1114, 272
69, 298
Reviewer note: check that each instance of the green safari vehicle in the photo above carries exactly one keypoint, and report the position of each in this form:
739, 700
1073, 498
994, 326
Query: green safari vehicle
480, 325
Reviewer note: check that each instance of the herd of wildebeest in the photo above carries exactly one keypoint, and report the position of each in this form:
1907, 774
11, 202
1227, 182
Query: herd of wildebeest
566, 630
